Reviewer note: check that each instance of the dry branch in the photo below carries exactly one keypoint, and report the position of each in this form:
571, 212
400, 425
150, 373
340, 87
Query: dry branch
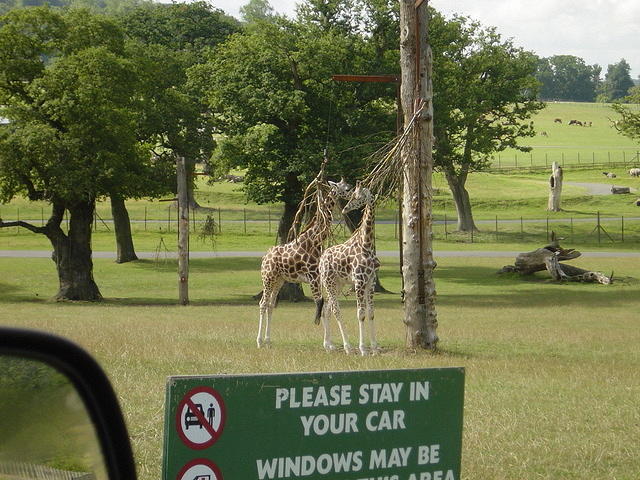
548, 258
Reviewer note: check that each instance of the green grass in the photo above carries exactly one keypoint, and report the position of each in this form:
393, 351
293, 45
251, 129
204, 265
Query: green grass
551, 370
571, 144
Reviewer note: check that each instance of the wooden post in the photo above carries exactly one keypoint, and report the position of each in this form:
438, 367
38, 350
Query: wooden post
183, 232
417, 164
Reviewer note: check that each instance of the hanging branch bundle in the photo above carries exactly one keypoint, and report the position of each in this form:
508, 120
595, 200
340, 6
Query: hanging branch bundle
313, 201
386, 174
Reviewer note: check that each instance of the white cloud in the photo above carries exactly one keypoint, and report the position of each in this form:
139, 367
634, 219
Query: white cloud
600, 31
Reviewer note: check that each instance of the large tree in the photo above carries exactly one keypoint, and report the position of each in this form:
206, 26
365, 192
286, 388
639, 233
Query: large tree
484, 93
275, 102
567, 77
617, 82
67, 89
168, 39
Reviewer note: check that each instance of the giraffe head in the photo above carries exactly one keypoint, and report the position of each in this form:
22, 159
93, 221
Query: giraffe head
359, 197
340, 189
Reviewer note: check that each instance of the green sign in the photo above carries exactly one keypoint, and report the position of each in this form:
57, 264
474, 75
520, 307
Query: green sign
380, 425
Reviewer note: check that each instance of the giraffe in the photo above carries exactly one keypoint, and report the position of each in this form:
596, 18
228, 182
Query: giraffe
353, 261
297, 261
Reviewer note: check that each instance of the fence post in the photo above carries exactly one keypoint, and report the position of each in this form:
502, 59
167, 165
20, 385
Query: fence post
622, 221
499, 162
446, 233
546, 159
563, 159
598, 226
18, 219
471, 234
169, 219
42, 215
593, 158
145, 218
269, 217
521, 229
547, 228
624, 157
515, 156
531, 159
244, 219
578, 158
572, 229
219, 221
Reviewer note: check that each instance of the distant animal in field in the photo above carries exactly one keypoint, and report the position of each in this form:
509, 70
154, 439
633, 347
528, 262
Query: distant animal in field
575, 122
634, 172
637, 202
544, 134
557, 120
587, 124
609, 174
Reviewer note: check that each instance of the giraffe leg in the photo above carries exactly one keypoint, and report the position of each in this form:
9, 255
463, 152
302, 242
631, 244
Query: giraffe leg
332, 298
326, 326
267, 304
361, 306
375, 349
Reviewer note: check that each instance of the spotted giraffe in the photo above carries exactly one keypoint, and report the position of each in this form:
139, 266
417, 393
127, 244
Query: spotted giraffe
353, 261
297, 261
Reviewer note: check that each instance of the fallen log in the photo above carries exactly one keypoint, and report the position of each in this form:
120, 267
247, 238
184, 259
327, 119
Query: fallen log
548, 258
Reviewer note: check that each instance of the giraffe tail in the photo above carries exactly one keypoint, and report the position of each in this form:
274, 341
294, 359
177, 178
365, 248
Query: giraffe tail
319, 305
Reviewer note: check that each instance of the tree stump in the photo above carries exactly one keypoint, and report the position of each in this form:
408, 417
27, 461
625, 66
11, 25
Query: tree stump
548, 258
555, 188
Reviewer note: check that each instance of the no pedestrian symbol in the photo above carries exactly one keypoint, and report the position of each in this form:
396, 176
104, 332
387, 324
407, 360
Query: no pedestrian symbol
200, 469
200, 418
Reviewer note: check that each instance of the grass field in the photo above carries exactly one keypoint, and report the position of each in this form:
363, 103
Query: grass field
551, 370
571, 144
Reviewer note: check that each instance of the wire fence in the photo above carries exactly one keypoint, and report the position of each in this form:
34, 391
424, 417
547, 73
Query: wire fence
588, 228
538, 160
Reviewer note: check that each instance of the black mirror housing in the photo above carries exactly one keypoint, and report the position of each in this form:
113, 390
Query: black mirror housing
91, 384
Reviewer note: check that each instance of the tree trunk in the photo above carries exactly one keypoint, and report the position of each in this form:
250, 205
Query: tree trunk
555, 188
462, 201
122, 225
420, 317
549, 258
72, 252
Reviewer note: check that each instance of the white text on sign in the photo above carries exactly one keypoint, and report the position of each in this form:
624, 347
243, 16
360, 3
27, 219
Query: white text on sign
341, 395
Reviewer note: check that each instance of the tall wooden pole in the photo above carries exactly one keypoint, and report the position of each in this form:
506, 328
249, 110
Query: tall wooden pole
183, 232
420, 316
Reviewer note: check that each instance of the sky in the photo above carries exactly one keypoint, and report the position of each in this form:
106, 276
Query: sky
599, 31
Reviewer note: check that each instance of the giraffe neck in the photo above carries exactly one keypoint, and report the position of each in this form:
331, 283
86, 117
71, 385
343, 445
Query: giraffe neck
366, 228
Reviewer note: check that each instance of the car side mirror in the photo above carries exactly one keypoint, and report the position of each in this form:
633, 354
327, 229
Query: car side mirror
58, 412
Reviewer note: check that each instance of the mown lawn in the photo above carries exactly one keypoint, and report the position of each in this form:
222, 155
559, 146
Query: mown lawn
551, 370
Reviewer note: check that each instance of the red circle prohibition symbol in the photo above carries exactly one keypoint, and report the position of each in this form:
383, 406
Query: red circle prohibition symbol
200, 461
200, 416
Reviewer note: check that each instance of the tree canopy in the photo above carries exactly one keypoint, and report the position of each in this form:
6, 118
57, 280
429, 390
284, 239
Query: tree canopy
484, 93
72, 93
617, 82
272, 96
629, 123
568, 78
